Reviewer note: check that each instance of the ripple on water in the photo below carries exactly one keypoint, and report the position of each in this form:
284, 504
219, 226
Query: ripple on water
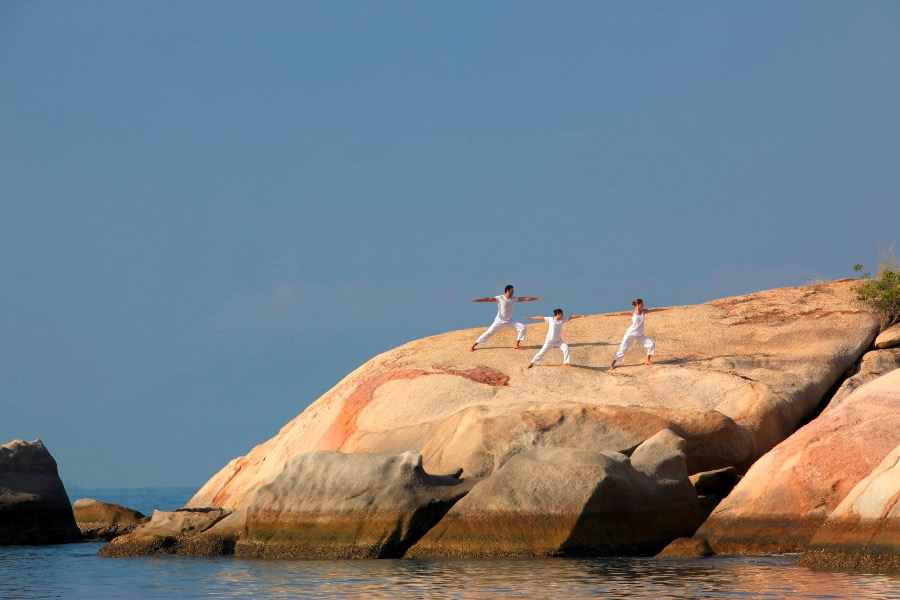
74, 571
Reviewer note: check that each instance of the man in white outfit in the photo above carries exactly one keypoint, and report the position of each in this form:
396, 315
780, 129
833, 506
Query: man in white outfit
554, 337
504, 318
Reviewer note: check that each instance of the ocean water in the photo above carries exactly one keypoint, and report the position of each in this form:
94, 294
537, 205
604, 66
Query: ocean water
75, 571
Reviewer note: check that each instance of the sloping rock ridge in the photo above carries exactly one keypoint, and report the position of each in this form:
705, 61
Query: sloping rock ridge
733, 378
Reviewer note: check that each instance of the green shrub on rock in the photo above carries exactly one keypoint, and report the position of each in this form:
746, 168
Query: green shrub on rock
883, 292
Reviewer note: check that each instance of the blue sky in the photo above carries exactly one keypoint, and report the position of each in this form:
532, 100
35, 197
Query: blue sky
210, 212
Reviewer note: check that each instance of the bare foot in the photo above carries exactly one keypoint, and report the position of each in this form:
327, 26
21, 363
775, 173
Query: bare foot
648, 363
518, 348
612, 368
529, 365
472, 349
566, 365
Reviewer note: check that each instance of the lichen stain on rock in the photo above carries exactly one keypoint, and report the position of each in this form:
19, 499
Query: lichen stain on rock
345, 424
478, 375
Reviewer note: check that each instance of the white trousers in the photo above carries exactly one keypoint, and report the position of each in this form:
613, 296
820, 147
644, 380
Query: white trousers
631, 338
498, 325
547, 346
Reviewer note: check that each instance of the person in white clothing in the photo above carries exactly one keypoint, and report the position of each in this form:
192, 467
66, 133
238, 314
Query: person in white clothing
635, 333
554, 337
505, 304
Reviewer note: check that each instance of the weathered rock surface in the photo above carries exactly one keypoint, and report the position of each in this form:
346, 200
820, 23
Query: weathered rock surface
34, 506
732, 377
686, 548
570, 502
102, 521
871, 366
333, 505
789, 492
863, 532
172, 532
888, 338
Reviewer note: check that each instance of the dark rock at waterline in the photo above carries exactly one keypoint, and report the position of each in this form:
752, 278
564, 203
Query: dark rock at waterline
169, 532
102, 521
34, 506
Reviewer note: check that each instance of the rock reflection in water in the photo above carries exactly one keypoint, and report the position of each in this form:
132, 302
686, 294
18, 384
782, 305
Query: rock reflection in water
74, 571
745, 577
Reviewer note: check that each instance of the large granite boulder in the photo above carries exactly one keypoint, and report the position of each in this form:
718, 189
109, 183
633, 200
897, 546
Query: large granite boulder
787, 495
871, 366
571, 502
888, 338
34, 506
333, 505
102, 521
323, 505
733, 377
863, 532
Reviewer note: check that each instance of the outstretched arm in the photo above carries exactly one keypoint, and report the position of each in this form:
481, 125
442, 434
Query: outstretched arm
491, 299
536, 318
576, 317
528, 299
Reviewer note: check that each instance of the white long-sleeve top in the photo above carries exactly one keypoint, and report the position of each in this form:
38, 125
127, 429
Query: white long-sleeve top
554, 328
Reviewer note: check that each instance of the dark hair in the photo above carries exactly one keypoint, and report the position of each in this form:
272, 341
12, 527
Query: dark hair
636, 302
507, 288
557, 311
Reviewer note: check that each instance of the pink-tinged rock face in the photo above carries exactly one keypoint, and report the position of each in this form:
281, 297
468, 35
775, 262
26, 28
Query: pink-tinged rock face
789, 492
344, 425
863, 532
733, 377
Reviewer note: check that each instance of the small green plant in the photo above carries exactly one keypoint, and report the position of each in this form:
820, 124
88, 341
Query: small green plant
883, 292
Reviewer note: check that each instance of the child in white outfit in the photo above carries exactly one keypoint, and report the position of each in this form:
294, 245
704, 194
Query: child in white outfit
554, 337
635, 333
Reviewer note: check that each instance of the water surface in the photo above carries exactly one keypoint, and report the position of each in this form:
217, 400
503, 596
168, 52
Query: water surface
75, 571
